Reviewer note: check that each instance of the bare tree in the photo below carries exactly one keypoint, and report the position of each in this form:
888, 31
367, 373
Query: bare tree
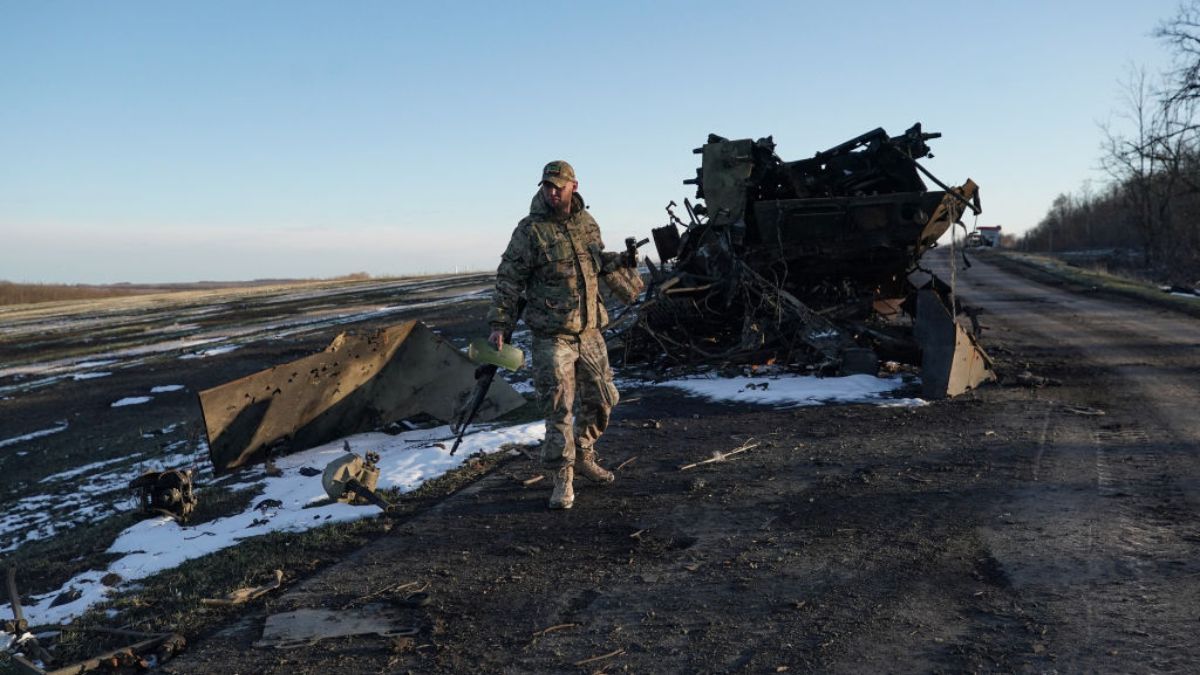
1130, 160
1182, 35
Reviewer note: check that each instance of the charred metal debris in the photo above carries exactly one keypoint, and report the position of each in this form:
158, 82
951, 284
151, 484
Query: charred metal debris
807, 264
29, 657
166, 493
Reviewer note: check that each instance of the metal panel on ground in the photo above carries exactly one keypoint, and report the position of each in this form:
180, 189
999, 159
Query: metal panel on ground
358, 383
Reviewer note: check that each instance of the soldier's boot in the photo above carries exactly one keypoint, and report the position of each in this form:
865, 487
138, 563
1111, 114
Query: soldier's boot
563, 496
586, 465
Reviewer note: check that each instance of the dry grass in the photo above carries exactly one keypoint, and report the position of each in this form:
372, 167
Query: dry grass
12, 293
25, 294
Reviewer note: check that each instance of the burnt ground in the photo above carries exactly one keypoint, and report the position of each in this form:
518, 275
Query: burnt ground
1015, 528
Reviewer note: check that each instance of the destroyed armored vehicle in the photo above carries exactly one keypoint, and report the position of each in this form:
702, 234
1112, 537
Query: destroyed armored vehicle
807, 263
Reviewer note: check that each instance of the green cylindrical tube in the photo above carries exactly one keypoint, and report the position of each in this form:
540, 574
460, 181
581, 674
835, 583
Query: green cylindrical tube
482, 351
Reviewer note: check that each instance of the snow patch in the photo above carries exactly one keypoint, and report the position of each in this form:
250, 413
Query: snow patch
89, 376
131, 400
795, 390
164, 388
213, 351
62, 426
157, 544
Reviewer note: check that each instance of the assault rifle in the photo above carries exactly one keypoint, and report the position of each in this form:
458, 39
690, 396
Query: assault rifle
484, 374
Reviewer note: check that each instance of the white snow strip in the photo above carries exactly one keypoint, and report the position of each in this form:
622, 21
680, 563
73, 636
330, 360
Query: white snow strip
95, 364
83, 469
89, 376
131, 400
164, 388
1189, 296
795, 390
158, 544
33, 434
214, 351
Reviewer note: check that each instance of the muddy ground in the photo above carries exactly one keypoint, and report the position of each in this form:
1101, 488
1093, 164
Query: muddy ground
1018, 528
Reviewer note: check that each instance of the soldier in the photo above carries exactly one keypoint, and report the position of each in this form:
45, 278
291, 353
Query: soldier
555, 259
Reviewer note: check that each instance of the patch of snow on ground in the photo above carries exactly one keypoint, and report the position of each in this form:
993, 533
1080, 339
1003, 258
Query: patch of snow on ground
131, 400
62, 426
95, 364
157, 544
1190, 296
83, 469
795, 390
89, 376
212, 351
164, 388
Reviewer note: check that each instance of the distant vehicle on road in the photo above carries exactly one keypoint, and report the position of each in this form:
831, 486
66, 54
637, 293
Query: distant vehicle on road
984, 236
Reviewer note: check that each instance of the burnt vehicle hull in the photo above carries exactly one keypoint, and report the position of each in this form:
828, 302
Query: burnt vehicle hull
806, 263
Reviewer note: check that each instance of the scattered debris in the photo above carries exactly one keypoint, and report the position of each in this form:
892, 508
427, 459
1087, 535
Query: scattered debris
167, 493
307, 626
1028, 379
244, 595
535, 479
358, 383
352, 479
555, 628
721, 456
391, 588
615, 652
161, 645
153, 650
626, 463
309, 471
806, 264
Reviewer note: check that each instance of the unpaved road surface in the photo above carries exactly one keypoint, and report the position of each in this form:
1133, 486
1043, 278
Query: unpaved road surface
1043, 529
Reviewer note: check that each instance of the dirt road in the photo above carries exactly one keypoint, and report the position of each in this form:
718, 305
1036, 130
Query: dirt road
1102, 532
1017, 528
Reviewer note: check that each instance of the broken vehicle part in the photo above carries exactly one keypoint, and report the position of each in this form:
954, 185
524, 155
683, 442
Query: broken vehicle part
162, 645
307, 626
18, 624
157, 646
167, 493
358, 383
951, 361
801, 263
353, 480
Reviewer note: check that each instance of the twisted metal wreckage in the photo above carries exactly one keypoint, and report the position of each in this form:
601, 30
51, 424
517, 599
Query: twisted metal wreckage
807, 264
804, 264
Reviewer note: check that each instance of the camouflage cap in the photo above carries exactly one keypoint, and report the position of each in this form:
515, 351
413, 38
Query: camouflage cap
559, 173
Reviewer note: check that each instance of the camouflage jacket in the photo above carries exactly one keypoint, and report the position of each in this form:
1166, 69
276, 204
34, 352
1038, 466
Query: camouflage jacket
555, 263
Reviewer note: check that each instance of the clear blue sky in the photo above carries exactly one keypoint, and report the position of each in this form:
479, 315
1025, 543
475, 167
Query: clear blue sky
179, 141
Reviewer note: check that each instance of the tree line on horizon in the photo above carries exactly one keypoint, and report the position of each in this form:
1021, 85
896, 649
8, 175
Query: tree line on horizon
1147, 217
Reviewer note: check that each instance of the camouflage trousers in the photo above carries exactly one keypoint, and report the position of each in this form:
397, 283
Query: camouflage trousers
575, 389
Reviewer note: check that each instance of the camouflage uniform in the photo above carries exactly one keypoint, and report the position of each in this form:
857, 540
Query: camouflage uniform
556, 263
